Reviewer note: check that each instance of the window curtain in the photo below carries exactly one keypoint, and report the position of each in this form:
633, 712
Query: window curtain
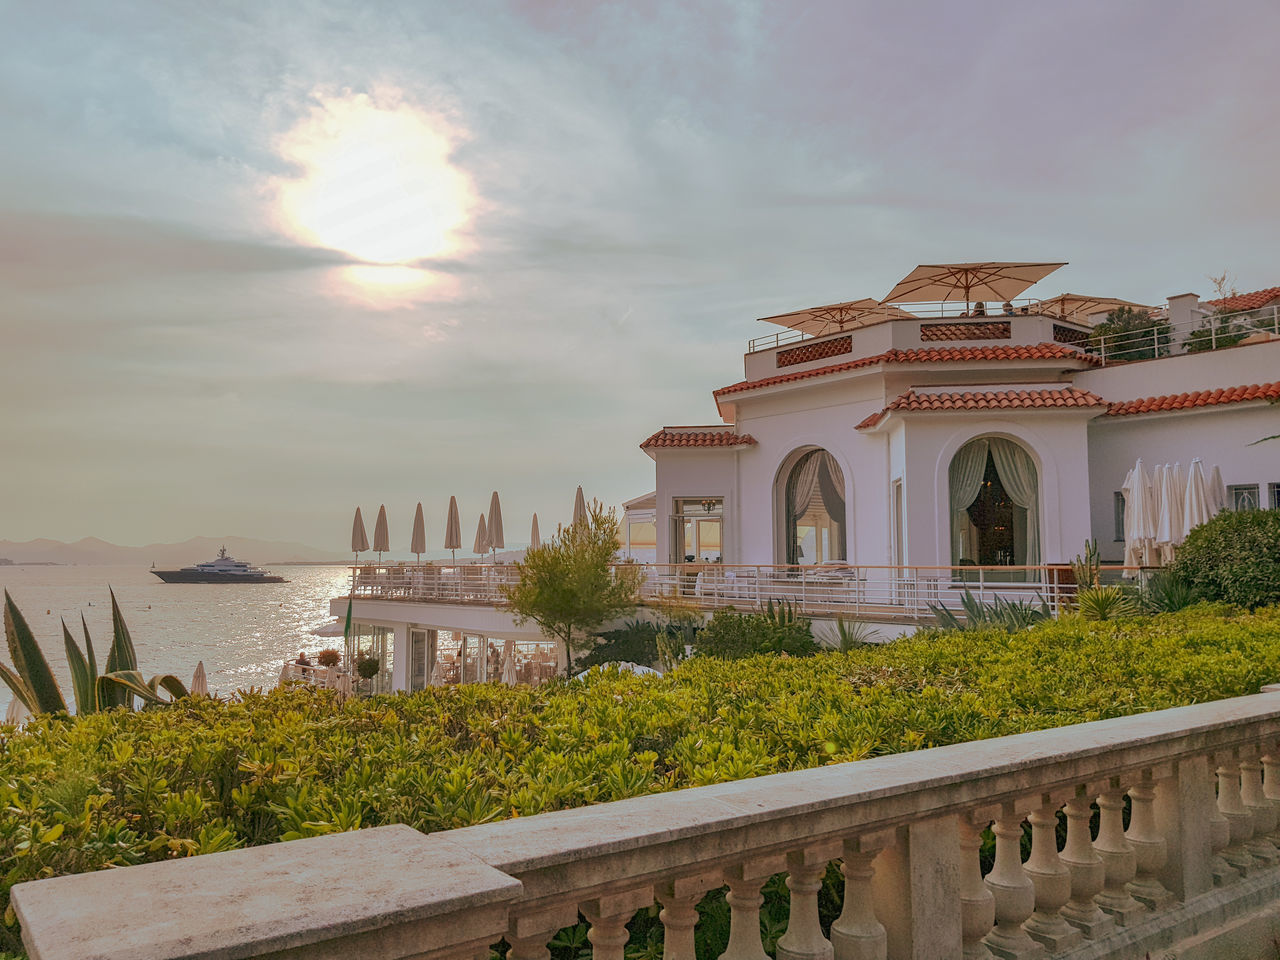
1017, 474
967, 469
833, 502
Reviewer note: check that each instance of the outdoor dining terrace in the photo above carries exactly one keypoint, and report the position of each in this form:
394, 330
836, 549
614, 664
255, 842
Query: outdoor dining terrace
895, 593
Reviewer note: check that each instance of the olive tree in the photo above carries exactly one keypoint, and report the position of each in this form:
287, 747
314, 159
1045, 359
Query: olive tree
570, 585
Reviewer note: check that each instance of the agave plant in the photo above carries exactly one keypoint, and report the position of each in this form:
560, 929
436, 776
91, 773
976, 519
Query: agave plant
1010, 615
121, 685
1166, 592
849, 635
1106, 603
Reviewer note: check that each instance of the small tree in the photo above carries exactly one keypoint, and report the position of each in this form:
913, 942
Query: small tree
1129, 334
569, 586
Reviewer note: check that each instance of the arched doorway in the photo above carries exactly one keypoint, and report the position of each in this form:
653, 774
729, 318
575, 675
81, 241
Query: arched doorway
813, 508
995, 504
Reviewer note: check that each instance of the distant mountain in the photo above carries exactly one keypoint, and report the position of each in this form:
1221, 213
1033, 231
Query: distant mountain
92, 551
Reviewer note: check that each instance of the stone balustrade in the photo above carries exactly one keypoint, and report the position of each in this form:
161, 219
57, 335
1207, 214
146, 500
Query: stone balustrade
1194, 870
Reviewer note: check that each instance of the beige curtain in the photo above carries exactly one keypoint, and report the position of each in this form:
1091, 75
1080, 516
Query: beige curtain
967, 468
1017, 474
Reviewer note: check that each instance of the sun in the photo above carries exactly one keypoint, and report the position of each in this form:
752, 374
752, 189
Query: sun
374, 179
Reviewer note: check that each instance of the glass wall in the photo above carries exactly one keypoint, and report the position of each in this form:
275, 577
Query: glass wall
813, 504
995, 505
697, 534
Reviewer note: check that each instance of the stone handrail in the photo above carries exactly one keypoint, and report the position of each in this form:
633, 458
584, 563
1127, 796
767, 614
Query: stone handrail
1197, 857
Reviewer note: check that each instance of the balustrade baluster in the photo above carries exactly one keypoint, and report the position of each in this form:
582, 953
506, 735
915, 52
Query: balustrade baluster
1271, 787
1149, 848
744, 914
1239, 819
1261, 809
977, 903
856, 934
803, 939
1015, 895
1118, 858
608, 917
1219, 837
529, 933
1052, 881
1088, 872
679, 914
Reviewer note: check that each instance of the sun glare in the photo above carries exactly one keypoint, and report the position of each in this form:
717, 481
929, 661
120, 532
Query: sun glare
374, 180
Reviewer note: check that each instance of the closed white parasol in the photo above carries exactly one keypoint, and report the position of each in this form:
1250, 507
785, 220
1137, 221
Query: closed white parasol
1139, 518
509, 662
535, 538
579, 506
494, 528
381, 534
418, 542
1196, 509
453, 528
1217, 490
359, 539
482, 538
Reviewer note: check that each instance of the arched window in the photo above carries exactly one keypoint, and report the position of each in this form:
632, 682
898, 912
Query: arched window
813, 504
995, 504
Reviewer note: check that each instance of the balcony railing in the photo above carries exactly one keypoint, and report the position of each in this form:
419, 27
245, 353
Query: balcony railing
894, 593
1206, 332
1197, 859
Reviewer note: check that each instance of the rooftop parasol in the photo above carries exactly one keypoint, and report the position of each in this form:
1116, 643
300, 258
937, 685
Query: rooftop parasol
579, 506
535, 538
418, 542
381, 534
1079, 307
453, 529
496, 541
359, 539
986, 280
482, 538
837, 317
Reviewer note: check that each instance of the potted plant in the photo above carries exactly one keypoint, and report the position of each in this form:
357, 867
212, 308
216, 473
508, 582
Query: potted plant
367, 667
329, 658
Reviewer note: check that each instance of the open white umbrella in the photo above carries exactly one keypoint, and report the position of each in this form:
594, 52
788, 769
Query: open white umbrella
579, 506
16, 713
418, 542
437, 676
1196, 503
453, 529
199, 682
359, 539
1217, 491
509, 662
988, 280
535, 538
482, 538
381, 535
496, 541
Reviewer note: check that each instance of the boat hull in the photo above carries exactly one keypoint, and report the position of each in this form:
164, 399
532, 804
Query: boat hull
191, 576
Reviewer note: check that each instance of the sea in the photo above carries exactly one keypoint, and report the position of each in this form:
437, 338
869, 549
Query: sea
243, 632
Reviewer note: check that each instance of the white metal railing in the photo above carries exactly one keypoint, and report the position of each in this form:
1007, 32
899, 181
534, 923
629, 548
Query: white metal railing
865, 591
1209, 331
1196, 858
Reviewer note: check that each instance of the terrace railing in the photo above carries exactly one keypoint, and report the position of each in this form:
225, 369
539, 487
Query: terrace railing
1207, 332
862, 591
1198, 858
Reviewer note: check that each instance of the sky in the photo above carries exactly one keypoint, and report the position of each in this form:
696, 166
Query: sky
262, 263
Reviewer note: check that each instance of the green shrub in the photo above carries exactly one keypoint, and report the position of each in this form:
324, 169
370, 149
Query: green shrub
1234, 558
731, 635
1129, 334
367, 667
982, 615
1166, 592
329, 658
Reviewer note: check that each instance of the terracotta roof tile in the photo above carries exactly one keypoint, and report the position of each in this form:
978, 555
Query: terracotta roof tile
1245, 301
668, 437
987, 400
1199, 398
1039, 351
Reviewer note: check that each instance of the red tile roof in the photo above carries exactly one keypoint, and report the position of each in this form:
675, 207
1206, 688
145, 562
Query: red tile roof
987, 400
1245, 301
1040, 351
677, 437
1199, 398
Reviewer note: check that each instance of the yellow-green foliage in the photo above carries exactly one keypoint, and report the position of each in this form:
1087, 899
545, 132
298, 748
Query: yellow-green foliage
199, 776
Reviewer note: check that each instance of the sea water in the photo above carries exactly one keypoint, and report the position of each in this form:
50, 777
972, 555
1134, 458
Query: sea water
244, 632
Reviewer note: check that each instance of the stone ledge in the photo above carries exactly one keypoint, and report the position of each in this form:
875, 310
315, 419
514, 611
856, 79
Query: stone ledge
382, 893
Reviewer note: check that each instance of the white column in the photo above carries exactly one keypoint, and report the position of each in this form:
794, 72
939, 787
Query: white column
1184, 805
1052, 881
977, 905
679, 914
1148, 846
803, 939
856, 934
1088, 873
1117, 858
608, 917
1014, 893
400, 658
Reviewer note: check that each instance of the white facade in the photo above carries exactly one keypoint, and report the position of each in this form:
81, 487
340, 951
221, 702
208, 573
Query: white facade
1081, 451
